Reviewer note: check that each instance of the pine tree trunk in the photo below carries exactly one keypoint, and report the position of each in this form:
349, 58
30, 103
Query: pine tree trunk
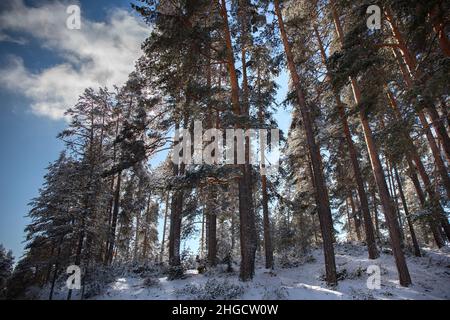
394, 197
325, 219
445, 178
355, 218
436, 17
377, 169
202, 238
211, 218
268, 249
55, 272
136, 236
115, 215
439, 128
267, 234
176, 209
349, 221
111, 202
413, 157
246, 214
175, 221
409, 72
375, 212
368, 225
408, 218
211, 221
163, 240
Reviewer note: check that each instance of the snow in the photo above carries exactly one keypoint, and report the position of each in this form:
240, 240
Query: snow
430, 275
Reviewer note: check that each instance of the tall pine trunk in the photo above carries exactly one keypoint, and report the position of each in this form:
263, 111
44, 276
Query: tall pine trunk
377, 169
355, 218
408, 217
368, 225
176, 209
115, 215
410, 72
163, 240
246, 214
438, 215
321, 193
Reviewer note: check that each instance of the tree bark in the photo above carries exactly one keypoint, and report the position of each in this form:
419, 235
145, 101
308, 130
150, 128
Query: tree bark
437, 20
368, 225
115, 215
176, 209
355, 218
413, 157
375, 212
246, 214
163, 241
408, 218
409, 72
386, 201
321, 193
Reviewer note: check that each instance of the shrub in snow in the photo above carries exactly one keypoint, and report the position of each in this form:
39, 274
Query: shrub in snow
176, 272
228, 261
201, 269
151, 282
149, 270
97, 278
188, 259
275, 294
213, 289
359, 294
294, 258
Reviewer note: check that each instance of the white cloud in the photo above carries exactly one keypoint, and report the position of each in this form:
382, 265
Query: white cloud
7, 38
100, 54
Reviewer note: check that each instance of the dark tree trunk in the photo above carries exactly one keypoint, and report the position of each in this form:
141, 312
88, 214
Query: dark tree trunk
268, 249
437, 16
375, 213
355, 218
386, 201
55, 272
408, 218
211, 221
267, 234
115, 215
438, 215
408, 67
394, 196
176, 210
368, 225
326, 223
163, 241
246, 214
439, 127
211, 218
349, 221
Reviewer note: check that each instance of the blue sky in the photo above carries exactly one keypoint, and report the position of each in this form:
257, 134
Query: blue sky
43, 68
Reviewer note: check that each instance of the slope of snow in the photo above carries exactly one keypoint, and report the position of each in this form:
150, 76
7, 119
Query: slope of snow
430, 275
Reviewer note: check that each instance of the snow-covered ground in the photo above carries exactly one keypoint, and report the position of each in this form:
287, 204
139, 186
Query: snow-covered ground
430, 275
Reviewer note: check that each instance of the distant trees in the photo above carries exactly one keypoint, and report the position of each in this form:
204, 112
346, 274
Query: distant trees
6, 269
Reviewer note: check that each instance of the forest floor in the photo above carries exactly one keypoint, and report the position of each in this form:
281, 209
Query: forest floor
430, 276
301, 278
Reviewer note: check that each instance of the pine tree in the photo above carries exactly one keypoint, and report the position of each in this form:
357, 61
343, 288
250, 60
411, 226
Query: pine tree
6, 268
